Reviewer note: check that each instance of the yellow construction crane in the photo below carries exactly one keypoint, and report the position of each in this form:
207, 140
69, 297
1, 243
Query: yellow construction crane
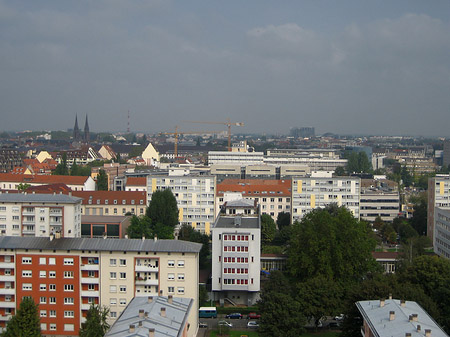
228, 123
177, 133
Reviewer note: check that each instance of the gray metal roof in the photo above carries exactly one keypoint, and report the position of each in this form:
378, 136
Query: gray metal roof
377, 317
172, 325
131, 245
241, 203
103, 218
224, 221
36, 197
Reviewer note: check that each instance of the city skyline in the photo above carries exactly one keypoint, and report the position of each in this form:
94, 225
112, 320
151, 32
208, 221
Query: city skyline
374, 68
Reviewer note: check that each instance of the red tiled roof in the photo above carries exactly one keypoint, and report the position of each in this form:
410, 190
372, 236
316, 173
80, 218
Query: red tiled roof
43, 179
256, 187
137, 181
52, 188
102, 196
385, 255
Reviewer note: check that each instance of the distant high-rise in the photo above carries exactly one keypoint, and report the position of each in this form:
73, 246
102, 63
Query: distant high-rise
76, 130
446, 159
86, 131
304, 132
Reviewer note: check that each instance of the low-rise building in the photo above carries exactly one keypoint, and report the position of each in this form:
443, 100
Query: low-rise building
97, 226
75, 183
379, 198
396, 318
65, 276
24, 214
236, 246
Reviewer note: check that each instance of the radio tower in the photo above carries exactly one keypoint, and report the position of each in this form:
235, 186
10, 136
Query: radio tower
128, 123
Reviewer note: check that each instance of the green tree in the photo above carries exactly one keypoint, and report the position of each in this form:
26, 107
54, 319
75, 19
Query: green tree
62, 169
136, 151
332, 243
187, 233
96, 324
340, 171
25, 322
23, 187
163, 232
283, 220
74, 170
140, 227
419, 218
202, 295
281, 313
268, 229
102, 181
358, 162
163, 209
406, 177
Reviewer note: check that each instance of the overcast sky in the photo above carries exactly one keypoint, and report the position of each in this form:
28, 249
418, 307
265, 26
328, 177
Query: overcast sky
365, 67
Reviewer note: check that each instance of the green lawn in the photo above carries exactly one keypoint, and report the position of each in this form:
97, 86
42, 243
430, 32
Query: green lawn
239, 333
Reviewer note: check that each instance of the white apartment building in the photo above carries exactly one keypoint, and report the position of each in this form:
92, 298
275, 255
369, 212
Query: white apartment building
236, 246
66, 275
441, 237
379, 197
232, 158
195, 196
438, 196
310, 193
23, 214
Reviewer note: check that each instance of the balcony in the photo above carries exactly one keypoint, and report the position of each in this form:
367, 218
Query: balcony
89, 280
90, 293
55, 212
85, 306
25, 221
29, 213
8, 278
5, 317
89, 267
145, 268
7, 291
29, 231
7, 265
143, 294
9, 304
146, 282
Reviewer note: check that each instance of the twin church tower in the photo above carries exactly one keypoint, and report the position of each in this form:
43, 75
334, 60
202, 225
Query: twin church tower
77, 136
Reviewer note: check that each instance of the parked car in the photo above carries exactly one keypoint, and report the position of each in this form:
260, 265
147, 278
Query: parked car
253, 315
339, 317
225, 323
252, 325
234, 315
202, 325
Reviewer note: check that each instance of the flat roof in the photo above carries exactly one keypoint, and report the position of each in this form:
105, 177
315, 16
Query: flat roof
224, 221
133, 245
39, 197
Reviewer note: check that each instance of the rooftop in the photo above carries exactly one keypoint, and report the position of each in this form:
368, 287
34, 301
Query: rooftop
40, 198
133, 245
224, 221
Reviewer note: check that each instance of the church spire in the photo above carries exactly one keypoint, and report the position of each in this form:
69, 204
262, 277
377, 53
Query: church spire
76, 130
87, 136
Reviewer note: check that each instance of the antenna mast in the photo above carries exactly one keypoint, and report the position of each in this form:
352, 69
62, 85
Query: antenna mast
128, 122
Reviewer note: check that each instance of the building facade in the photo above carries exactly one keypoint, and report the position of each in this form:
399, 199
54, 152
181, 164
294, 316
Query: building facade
310, 193
64, 276
438, 196
236, 246
24, 214
441, 232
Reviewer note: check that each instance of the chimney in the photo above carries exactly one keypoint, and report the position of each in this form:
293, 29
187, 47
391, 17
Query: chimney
155, 238
51, 236
146, 314
390, 296
140, 324
419, 328
391, 315
151, 332
141, 313
150, 299
415, 317
410, 318
427, 332
163, 312
126, 236
131, 328
143, 237
160, 292
170, 299
403, 303
381, 302
105, 236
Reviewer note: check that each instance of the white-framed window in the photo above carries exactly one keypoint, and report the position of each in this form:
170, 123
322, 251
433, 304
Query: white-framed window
171, 276
113, 314
42, 260
68, 274
180, 290
123, 301
42, 287
68, 313
113, 301
113, 275
123, 262
123, 276
112, 289
52, 313
181, 263
26, 260
180, 277
68, 287
171, 263
123, 289
42, 300
112, 262
52, 260
53, 326
43, 313
27, 286
52, 274
68, 261
91, 287
69, 327
27, 273
68, 300
43, 325
52, 287
170, 289
52, 300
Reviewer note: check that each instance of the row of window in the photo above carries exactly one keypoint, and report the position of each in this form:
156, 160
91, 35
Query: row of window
171, 290
113, 275
235, 270
124, 202
113, 289
236, 281
53, 327
171, 263
171, 277
235, 249
68, 261
122, 301
235, 259
229, 237
43, 287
